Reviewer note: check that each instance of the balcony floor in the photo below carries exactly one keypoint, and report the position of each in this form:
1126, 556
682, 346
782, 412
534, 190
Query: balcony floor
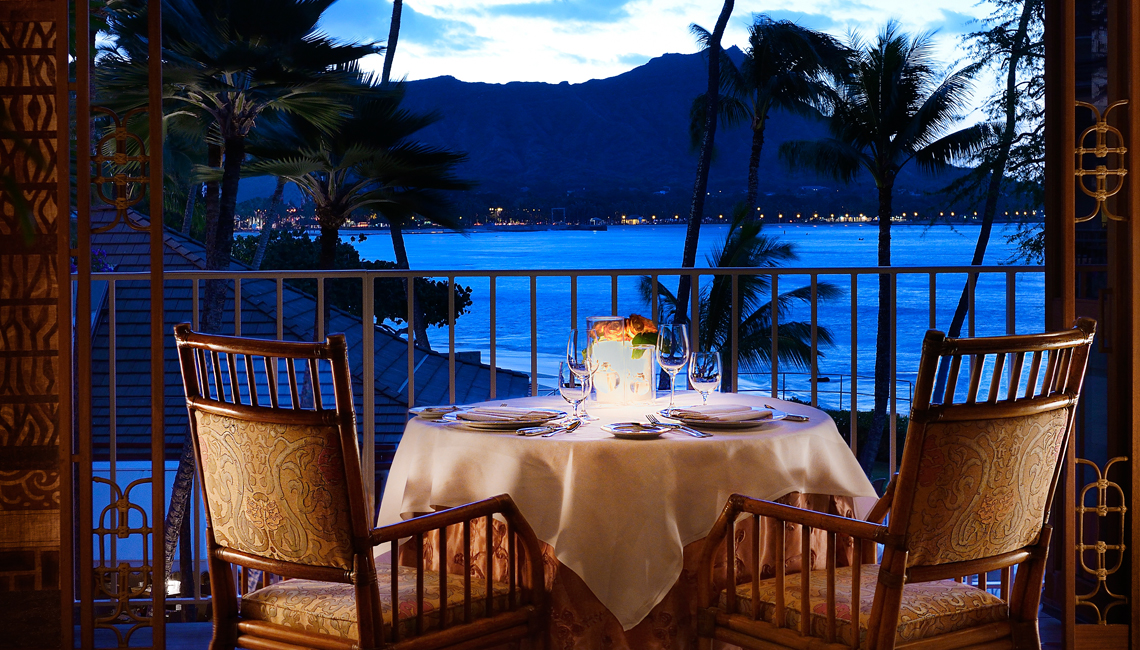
196, 636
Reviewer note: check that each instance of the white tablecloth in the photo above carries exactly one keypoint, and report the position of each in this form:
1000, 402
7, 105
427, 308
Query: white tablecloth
619, 512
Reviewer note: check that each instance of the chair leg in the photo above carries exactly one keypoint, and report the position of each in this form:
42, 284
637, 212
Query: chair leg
1026, 636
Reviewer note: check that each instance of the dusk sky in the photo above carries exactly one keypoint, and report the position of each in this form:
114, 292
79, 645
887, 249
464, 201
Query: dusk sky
557, 40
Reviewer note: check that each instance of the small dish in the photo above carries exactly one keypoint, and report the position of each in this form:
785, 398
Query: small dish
433, 412
724, 424
635, 430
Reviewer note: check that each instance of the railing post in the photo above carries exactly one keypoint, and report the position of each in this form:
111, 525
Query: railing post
854, 429
492, 360
814, 340
734, 332
451, 338
368, 387
774, 360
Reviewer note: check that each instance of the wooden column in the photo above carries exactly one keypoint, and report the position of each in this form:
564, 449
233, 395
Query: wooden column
35, 318
1121, 300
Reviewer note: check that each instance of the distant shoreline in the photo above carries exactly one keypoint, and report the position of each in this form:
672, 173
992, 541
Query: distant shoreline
429, 230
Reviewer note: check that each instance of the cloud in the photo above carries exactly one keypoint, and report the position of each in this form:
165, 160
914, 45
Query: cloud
366, 20
633, 60
958, 23
594, 11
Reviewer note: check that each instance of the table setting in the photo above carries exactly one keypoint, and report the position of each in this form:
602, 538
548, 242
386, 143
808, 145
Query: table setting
618, 483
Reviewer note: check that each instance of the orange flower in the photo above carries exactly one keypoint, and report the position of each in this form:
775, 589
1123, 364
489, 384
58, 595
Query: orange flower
636, 324
609, 331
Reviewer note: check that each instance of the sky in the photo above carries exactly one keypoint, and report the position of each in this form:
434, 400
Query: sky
500, 41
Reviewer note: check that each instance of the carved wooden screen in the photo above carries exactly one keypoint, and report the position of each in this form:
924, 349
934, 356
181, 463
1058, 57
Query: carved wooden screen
34, 310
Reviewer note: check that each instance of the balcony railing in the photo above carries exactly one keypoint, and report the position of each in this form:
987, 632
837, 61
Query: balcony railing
517, 324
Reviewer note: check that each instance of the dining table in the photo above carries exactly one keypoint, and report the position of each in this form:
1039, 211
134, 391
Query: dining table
621, 520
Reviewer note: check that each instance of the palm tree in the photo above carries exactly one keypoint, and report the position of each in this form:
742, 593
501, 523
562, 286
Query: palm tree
228, 64
893, 107
745, 246
782, 69
368, 162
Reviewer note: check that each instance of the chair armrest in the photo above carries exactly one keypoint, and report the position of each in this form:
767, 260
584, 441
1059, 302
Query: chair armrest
813, 519
883, 505
501, 504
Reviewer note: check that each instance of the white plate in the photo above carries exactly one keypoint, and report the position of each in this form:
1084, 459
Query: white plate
713, 424
635, 430
433, 412
505, 425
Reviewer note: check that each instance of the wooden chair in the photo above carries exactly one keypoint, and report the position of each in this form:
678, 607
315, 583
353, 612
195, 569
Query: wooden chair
972, 496
276, 446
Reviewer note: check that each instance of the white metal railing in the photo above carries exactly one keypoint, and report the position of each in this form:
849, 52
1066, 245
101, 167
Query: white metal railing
915, 281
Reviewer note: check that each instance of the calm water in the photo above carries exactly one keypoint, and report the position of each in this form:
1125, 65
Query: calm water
834, 245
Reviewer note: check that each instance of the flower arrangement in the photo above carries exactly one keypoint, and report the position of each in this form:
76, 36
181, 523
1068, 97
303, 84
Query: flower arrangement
623, 348
635, 330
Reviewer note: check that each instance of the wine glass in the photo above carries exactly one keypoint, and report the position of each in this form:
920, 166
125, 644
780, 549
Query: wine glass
672, 353
582, 364
704, 373
573, 387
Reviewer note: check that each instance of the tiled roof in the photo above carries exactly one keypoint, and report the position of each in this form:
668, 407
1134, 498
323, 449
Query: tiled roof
127, 250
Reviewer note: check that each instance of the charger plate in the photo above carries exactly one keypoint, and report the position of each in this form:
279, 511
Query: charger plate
538, 416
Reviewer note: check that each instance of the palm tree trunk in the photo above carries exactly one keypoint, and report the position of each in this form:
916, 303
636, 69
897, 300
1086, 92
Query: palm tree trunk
393, 36
224, 230
419, 319
869, 452
211, 317
179, 507
993, 189
270, 222
700, 186
188, 213
330, 233
754, 168
326, 256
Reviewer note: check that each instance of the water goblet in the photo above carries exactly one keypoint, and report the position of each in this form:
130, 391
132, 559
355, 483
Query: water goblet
573, 388
704, 373
672, 353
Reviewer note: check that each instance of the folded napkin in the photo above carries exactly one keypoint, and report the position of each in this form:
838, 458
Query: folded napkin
503, 414
721, 413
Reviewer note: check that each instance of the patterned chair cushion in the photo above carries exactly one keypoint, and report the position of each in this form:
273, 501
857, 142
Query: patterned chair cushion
982, 486
928, 608
276, 490
330, 608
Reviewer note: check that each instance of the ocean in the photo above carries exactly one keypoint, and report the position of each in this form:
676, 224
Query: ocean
823, 245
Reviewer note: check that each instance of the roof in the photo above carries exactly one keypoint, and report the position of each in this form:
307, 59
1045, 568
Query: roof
128, 251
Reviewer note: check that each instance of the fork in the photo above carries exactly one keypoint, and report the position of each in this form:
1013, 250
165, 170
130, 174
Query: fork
679, 427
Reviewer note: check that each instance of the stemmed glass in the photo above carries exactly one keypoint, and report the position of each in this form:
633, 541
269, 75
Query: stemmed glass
704, 373
573, 388
672, 353
581, 365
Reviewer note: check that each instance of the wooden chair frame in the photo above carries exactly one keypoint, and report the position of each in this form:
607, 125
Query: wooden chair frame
1060, 388
202, 359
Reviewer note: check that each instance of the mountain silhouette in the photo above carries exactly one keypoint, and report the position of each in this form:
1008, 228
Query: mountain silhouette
630, 131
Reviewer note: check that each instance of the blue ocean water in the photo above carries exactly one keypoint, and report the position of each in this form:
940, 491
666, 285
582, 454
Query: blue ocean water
825, 245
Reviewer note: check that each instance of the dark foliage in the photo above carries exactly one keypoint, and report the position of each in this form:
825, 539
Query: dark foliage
293, 250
